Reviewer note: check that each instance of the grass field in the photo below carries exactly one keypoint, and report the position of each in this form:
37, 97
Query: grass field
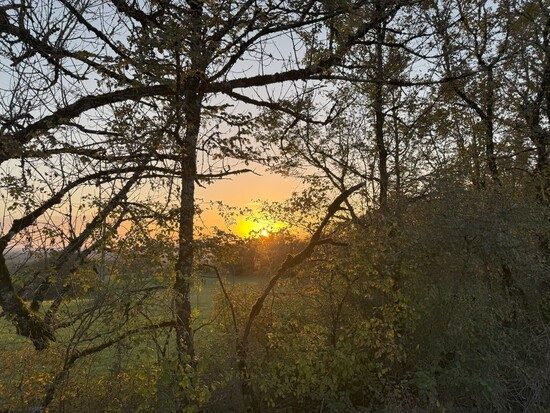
202, 300
24, 367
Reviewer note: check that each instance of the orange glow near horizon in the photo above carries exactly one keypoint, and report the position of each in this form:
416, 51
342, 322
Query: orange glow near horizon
245, 191
257, 227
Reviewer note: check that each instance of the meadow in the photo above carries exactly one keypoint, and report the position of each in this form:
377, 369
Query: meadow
27, 373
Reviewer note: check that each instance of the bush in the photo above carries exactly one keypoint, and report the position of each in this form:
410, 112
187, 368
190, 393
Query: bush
441, 305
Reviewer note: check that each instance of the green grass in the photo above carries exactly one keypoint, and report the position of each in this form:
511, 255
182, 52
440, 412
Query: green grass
202, 300
208, 288
18, 358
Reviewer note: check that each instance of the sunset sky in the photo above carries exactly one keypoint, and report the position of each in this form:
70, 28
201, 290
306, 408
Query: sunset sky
245, 191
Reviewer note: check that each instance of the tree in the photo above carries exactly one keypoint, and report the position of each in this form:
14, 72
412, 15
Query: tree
527, 78
161, 72
478, 43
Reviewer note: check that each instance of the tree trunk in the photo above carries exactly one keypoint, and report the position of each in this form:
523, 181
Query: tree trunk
541, 136
28, 323
188, 102
541, 139
397, 155
489, 128
379, 115
184, 266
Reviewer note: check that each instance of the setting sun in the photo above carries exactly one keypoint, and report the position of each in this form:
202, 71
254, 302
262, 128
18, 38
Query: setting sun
257, 227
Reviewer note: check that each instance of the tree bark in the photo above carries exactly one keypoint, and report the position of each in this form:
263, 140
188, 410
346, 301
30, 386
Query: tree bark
191, 89
27, 323
379, 115
184, 266
489, 127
